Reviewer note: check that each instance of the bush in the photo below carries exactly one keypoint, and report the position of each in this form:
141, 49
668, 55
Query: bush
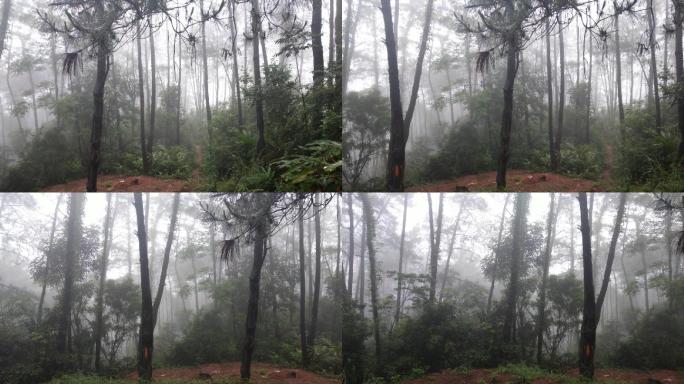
583, 161
172, 162
316, 168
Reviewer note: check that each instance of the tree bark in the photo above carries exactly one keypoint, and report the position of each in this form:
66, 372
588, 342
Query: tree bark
153, 95
205, 65
258, 98
522, 202
350, 277
98, 103
397, 312
317, 275
561, 92
261, 235
167, 253
679, 72
48, 257
588, 332
4, 23
541, 310
618, 75
302, 290
73, 246
611, 255
370, 243
549, 93
507, 116
141, 90
104, 262
654, 65
498, 244
419, 69
146, 337
434, 251
396, 153
236, 75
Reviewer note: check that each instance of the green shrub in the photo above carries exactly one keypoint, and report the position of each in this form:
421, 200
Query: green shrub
583, 161
317, 167
172, 162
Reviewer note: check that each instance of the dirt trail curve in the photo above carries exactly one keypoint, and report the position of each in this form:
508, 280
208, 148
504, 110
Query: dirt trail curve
122, 183
261, 374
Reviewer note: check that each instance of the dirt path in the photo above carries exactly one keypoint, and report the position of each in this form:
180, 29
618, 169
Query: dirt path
487, 376
120, 183
516, 181
261, 374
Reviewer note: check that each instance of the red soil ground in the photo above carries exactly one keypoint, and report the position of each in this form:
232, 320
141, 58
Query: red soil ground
516, 181
478, 376
118, 183
261, 374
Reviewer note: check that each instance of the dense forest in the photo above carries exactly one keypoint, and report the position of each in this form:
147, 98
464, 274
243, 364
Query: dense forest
353, 288
449, 96
177, 95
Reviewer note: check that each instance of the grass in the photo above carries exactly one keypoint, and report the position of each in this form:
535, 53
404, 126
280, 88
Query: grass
527, 374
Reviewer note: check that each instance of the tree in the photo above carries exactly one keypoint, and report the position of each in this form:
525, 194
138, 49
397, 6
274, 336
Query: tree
350, 208
153, 95
611, 255
205, 66
4, 23
146, 337
141, 91
302, 289
370, 243
233, 48
400, 272
317, 276
258, 98
73, 243
522, 202
318, 65
396, 153
561, 91
549, 93
494, 252
435, 245
48, 257
167, 253
541, 310
104, 263
679, 72
588, 331
654, 65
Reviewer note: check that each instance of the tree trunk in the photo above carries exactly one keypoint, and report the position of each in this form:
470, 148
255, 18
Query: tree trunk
98, 104
141, 90
419, 69
167, 253
434, 251
618, 75
258, 98
507, 116
234, 54
153, 95
522, 202
104, 262
73, 232
397, 312
396, 153
205, 66
611, 255
4, 23
549, 93
302, 290
261, 234
317, 275
546, 263
146, 337
561, 92
370, 243
350, 277
588, 332
654, 65
679, 72
587, 116
498, 244
48, 257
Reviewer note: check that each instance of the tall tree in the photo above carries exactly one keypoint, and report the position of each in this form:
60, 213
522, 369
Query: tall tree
561, 91
370, 243
146, 336
104, 263
546, 262
434, 249
4, 23
234, 55
679, 72
519, 230
588, 331
611, 255
141, 91
48, 259
317, 274
396, 153
318, 65
167, 253
400, 277
496, 255
258, 97
205, 65
549, 93
350, 277
302, 289
260, 221
153, 94
73, 245
654, 66
618, 71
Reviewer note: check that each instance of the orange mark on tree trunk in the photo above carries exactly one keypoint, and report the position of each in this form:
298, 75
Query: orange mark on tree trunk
146, 353
587, 350
397, 170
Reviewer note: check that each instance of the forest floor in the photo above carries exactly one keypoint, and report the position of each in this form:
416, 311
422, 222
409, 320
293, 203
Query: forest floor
524, 181
502, 376
121, 183
261, 374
